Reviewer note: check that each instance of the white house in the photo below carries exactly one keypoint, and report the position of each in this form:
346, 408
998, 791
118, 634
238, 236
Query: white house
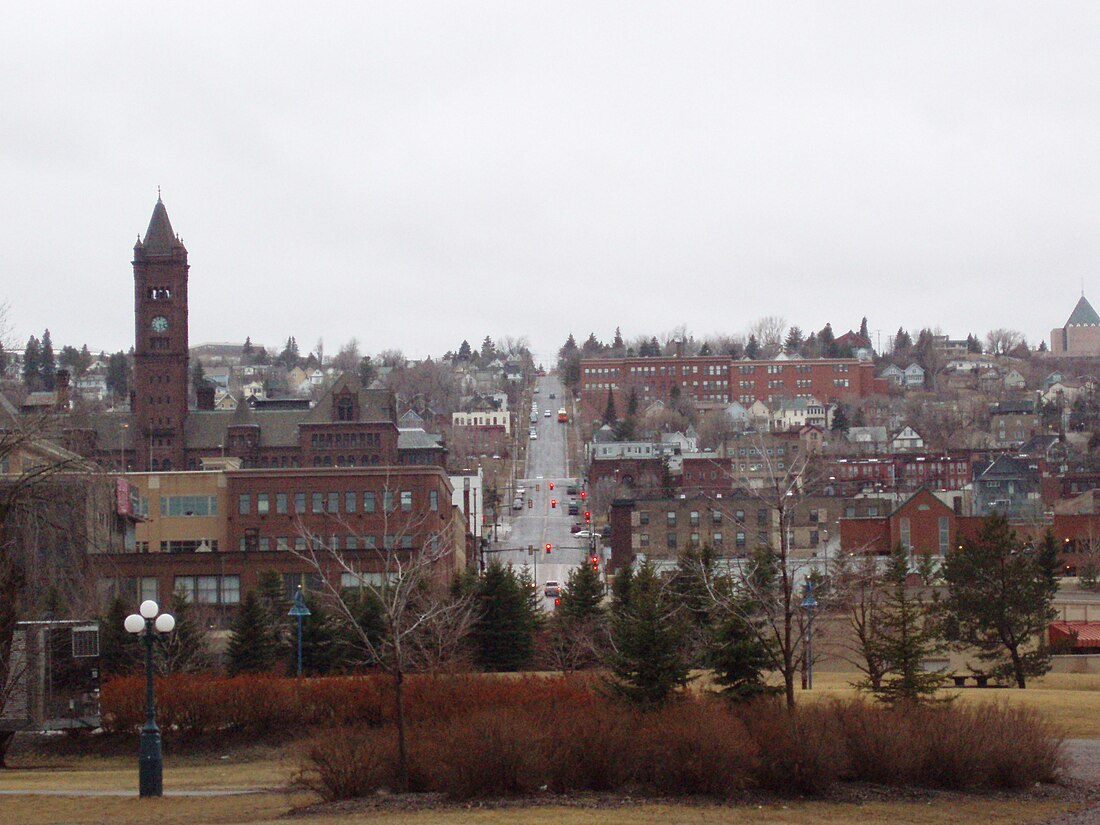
906, 439
914, 376
483, 418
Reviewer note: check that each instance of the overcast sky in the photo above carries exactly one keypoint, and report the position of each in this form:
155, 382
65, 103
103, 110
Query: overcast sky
412, 174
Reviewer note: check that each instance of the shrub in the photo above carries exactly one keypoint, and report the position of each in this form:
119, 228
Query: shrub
693, 747
346, 762
483, 753
801, 750
879, 743
588, 747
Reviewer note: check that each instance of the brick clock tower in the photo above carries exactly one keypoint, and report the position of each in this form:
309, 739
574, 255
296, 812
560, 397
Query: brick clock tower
159, 400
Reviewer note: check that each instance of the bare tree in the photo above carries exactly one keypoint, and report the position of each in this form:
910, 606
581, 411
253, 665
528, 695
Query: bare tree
1002, 341
348, 358
765, 590
424, 623
858, 578
769, 332
48, 518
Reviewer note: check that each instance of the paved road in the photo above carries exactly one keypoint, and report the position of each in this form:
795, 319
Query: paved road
538, 523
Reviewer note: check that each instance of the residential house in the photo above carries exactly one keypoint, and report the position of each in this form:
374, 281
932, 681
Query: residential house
796, 413
914, 376
1013, 422
906, 440
1010, 486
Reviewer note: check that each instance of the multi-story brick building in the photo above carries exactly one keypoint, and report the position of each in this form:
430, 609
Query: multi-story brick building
712, 382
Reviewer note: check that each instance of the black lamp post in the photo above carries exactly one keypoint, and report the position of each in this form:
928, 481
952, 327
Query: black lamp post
150, 760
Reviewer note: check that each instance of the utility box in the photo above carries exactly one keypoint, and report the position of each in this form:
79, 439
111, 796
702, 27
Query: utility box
53, 681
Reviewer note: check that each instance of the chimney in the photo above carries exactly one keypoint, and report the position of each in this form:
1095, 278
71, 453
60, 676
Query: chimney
62, 387
679, 347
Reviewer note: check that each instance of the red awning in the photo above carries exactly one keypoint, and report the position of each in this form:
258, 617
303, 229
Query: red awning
1082, 634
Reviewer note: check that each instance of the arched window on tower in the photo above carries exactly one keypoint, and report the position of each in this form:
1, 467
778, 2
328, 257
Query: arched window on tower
345, 408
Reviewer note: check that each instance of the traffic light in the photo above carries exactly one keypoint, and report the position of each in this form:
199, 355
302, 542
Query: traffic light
551, 485
587, 516
584, 495
553, 502
557, 602
548, 546
595, 562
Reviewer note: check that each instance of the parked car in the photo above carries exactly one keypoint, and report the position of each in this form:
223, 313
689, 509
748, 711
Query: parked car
517, 503
552, 589
573, 508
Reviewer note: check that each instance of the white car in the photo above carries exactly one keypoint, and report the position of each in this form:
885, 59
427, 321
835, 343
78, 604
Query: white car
546, 414
584, 534
533, 435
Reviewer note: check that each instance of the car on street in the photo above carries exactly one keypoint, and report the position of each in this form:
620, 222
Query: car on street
584, 534
552, 395
546, 414
536, 390
576, 527
572, 489
533, 434
517, 503
573, 508
552, 589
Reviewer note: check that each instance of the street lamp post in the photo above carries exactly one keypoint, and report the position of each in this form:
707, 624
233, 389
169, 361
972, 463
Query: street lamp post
299, 611
150, 761
809, 603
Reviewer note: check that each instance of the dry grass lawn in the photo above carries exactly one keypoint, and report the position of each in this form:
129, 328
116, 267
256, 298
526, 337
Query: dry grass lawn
1071, 700
267, 808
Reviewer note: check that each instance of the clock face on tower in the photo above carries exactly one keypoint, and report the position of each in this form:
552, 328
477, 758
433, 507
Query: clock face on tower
160, 324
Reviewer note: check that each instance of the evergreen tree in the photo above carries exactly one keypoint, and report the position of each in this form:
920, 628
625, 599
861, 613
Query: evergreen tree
465, 352
705, 349
271, 594
740, 658
811, 348
582, 599
187, 648
654, 347
617, 344
488, 350
252, 646
999, 598
903, 341
632, 403
592, 345
504, 631
648, 662
119, 650
47, 369
325, 647
792, 345
840, 419
973, 344
85, 361
32, 369
863, 328
752, 348
827, 341
247, 350
609, 416
906, 634
198, 375
118, 375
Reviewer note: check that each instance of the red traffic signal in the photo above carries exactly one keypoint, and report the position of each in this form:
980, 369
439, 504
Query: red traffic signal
548, 546
584, 494
557, 602
551, 485
587, 516
595, 562
553, 502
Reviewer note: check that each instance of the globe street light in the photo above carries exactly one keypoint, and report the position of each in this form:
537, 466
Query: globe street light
150, 760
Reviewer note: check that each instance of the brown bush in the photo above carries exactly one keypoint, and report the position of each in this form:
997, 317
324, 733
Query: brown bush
588, 747
801, 751
693, 747
879, 743
482, 753
345, 762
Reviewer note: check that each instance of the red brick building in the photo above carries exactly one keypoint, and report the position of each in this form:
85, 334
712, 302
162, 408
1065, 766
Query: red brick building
711, 381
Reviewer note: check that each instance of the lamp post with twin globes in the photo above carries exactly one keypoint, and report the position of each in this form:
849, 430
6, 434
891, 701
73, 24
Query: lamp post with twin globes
150, 761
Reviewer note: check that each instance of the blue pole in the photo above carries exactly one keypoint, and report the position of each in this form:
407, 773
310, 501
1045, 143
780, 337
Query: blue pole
299, 645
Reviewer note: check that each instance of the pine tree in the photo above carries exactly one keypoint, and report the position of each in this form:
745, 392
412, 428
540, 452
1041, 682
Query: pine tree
609, 416
187, 648
582, 599
827, 341
32, 360
247, 349
118, 375
740, 658
705, 349
504, 631
198, 375
47, 369
903, 341
252, 647
465, 352
863, 329
840, 419
119, 651
488, 350
999, 598
792, 345
906, 634
752, 348
648, 664
85, 361
617, 344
